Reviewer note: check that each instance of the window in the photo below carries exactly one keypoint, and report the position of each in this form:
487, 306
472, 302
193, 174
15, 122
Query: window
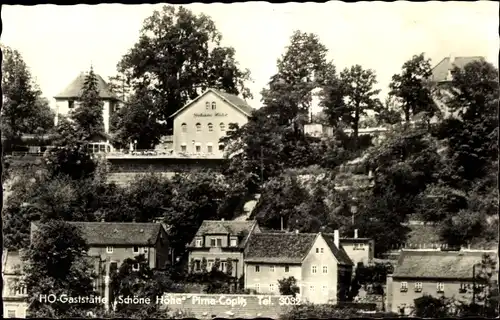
314, 269
321, 250
198, 127
221, 147
271, 287
210, 149
210, 127
440, 287
207, 105
183, 148
197, 265
222, 127
463, 288
271, 268
135, 267
109, 249
219, 242
257, 268
213, 105
404, 287
324, 289
234, 242
418, 286
11, 314
198, 242
223, 266
213, 242
325, 269
198, 148
184, 128
71, 104
257, 287
136, 249
311, 288
210, 264
317, 250
287, 269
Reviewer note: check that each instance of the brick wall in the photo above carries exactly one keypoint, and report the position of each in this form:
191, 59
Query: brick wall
190, 305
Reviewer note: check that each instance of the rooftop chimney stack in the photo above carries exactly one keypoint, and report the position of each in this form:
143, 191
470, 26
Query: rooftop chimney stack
336, 238
355, 233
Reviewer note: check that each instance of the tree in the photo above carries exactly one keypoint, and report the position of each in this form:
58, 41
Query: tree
411, 89
428, 306
137, 121
87, 117
24, 110
57, 263
143, 283
351, 98
178, 56
288, 286
472, 137
389, 114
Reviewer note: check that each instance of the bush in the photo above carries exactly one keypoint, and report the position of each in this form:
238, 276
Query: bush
320, 311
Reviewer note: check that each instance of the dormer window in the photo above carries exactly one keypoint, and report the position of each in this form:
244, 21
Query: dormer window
234, 242
198, 242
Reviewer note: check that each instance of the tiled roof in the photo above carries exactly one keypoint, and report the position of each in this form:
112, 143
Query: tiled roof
236, 228
117, 233
436, 264
73, 90
237, 101
441, 70
11, 262
232, 99
279, 247
339, 253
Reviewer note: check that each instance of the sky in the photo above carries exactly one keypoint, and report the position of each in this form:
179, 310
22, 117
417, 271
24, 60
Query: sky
58, 42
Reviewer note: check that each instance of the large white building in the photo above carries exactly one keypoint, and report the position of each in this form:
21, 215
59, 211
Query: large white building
199, 125
68, 99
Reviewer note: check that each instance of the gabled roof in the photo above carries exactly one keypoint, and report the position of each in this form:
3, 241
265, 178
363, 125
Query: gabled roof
441, 70
339, 253
116, 233
11, 262
289, 247
73, 90
279, 247
232, 99
234, 228
437, 264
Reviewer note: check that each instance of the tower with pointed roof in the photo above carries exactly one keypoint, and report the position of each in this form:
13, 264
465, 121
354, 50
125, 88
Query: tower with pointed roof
68, 98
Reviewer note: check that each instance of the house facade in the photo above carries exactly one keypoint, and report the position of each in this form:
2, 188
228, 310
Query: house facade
318, 263
118, 241
359, 250
14, 297
436, 273
199, 125
222, 240
67, 99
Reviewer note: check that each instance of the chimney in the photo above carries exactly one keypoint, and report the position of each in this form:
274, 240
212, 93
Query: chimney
336, 238
355, 233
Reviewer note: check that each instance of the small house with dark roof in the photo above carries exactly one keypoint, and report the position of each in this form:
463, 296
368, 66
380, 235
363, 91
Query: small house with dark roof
435, 273
222, 240
199, 125
441, 77
68, 98
118, 241
320, 265
13, 295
